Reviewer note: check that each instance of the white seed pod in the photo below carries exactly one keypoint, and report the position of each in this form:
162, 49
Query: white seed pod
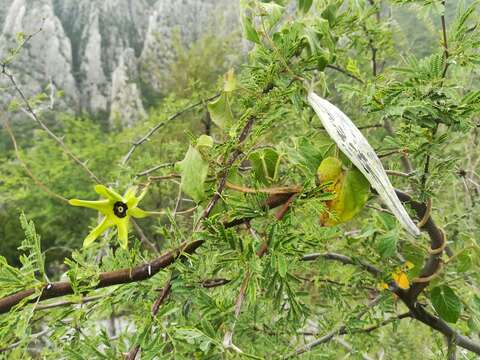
356, 147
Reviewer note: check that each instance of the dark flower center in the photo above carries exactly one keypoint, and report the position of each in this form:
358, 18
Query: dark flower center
120, 209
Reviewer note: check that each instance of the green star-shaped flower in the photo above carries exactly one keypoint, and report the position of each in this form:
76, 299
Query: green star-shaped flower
117, 210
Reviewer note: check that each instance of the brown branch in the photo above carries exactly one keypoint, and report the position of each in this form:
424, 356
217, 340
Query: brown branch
344, 260
145, 137
445, 42
122, 276
345, 72
437, 240
341, 330
224, 174
207, 284
419, 313
274, 190
211, 283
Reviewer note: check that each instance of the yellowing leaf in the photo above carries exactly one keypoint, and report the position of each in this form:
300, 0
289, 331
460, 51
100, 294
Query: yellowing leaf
355, 146
329, 170
230, 81
204, 141
350, 187
401, 279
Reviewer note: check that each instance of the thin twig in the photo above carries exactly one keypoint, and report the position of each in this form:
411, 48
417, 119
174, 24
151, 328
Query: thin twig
228, 338
445, 42
341, 330
344, 260
31, 113
145, 137
83, 300
224, 174
143, 238
132, 354
155, 168
345, 72
349, 347
398, 173
39, 183
275, 190
18, 343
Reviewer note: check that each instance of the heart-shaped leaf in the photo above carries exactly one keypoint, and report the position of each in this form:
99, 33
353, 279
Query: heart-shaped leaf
446, 303
194, 170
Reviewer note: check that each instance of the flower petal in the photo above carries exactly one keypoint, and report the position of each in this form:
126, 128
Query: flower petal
95, 233
139, 213
356, 147
122, 227
401, 279
108, 193
130, 195
99, 205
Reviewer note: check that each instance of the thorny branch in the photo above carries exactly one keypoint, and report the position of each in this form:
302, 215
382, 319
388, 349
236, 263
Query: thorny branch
224, 174
122, 276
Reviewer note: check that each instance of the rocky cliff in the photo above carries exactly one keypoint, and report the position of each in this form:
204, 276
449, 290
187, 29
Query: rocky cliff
96, 51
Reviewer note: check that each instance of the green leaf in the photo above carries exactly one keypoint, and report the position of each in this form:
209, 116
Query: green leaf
352, 67
273, 12
265, 164
282, 265
249, 30
415, 255
446, 303
229, 81
204, 141
307, 154
387, 244
221, 112
33, 258
330, 13
464, 262
304, 5
193, 169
